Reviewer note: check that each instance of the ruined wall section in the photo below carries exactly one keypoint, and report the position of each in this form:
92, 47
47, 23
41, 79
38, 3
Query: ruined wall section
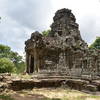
34, 52
73, 48
63, 50
65, 27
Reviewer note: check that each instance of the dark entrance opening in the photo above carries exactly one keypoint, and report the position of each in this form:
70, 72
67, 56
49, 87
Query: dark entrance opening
32, 65
59, 32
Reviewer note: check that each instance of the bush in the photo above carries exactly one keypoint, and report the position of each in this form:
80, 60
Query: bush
20, 68
6, 65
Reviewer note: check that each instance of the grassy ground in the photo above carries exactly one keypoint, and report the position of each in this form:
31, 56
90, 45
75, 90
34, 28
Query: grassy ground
48, 94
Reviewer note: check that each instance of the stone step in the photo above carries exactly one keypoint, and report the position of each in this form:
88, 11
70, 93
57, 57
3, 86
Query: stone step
52, 83
51, 77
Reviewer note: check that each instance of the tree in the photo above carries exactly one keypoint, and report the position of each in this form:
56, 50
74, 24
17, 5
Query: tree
96, 44
5, 51
14, 57
20, 67
6, 65
46, 32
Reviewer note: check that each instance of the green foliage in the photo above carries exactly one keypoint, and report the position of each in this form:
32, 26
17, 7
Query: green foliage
4, 51
96, 44
20, 67
6, 97
6, 65
14, 58
46, 32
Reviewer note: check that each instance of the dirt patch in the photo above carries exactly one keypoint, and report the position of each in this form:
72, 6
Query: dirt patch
29, 97
49, 94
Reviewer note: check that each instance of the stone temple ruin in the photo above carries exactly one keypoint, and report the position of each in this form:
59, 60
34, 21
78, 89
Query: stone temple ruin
60, 59
63, 51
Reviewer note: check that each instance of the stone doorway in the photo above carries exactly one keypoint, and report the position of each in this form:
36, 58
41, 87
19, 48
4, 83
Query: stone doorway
32, 65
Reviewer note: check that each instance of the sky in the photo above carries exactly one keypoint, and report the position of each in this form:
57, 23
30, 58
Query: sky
19, 18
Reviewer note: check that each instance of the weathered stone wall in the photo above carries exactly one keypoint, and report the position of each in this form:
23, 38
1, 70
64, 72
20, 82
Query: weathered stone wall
63, 50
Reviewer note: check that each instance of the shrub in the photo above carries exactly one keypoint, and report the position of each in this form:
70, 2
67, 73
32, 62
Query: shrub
6, 65
20, 68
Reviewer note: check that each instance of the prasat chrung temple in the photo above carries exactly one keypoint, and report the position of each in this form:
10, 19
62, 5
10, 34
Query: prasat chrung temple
63, 51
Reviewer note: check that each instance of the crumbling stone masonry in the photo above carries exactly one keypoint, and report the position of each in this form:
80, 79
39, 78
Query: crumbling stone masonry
63, 50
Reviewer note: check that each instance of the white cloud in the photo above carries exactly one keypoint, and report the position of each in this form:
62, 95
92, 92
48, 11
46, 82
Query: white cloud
21, 17
32, 14
12, 35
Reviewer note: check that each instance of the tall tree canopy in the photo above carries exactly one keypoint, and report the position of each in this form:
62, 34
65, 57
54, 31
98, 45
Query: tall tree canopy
5, 51
10, 58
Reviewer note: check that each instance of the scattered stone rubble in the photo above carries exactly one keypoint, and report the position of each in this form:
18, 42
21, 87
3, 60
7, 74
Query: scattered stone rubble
17, 83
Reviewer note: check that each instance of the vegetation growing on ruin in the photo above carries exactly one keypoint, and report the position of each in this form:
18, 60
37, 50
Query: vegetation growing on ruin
46, 32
